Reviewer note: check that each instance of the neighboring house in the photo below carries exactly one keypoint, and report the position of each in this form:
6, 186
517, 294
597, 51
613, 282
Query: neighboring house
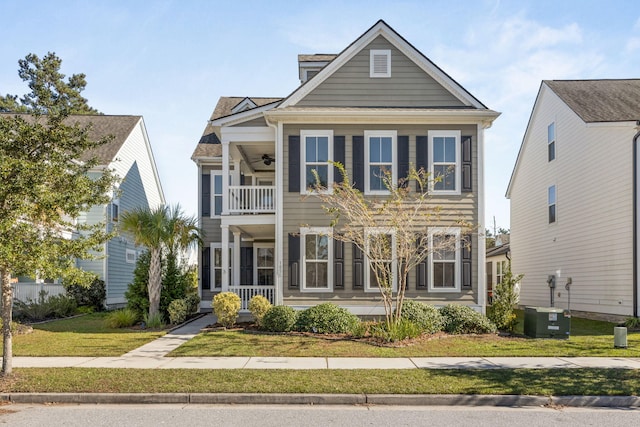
497, 265
574, 197
380, 103
130, 156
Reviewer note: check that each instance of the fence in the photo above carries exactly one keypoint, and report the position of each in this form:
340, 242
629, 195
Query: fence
26, 291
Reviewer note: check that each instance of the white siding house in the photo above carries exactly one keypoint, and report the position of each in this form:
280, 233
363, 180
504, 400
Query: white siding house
572, 197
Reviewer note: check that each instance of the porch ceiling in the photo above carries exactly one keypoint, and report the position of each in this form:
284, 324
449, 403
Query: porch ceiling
252, 154
256, 231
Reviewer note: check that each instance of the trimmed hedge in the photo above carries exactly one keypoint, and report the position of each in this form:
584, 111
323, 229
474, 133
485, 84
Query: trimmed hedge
279, 318
426, 317
326, 318
462, 319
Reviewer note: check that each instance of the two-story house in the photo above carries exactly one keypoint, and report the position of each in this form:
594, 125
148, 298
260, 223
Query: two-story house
378, 104
130, 156
574, 198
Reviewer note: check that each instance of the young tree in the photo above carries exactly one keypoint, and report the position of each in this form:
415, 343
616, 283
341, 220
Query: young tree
43, 184
505, 298
392, 232
160, 229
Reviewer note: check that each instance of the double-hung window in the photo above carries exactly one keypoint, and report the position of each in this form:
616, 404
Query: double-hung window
445, 260
381, 266
216, 193
380, 159
316, 153
264, 262
552, 204
551, 141
317, 250
444, 161
501, 269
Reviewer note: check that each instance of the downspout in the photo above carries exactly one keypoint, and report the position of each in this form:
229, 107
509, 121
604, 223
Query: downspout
635, 222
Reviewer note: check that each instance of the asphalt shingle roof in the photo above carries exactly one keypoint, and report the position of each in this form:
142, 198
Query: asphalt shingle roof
600, 100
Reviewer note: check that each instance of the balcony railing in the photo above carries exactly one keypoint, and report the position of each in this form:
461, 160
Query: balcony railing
252, 199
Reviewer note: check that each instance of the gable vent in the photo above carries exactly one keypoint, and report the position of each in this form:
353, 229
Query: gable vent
380, 63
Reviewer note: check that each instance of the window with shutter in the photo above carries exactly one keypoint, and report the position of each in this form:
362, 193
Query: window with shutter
444, 260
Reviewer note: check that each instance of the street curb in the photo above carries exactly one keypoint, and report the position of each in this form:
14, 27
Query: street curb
324, 399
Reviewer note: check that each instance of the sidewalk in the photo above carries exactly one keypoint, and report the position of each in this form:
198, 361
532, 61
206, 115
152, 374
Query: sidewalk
152, 356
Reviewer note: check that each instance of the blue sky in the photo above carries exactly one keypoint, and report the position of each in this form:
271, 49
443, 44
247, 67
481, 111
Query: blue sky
170, 61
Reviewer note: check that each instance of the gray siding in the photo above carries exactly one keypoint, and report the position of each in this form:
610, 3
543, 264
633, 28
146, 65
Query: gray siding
408, 86
300, 211
95, 215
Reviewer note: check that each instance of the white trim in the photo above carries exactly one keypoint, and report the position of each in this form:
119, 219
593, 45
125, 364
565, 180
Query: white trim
242, 105
387, 116
260, 245
243, 116
394, 158
480, 191
316, 231
373, 53
455, 231
212, 265
381, 28
458, 174
247, 134
394, 259
303, 157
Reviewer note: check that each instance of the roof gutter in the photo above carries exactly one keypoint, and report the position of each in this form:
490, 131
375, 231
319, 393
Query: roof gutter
635, 222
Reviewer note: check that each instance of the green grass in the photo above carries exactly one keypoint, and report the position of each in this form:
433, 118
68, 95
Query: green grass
542, 382
80, 336
588, 338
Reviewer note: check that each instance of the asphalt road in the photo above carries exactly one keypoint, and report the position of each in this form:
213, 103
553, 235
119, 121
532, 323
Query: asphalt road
20, 415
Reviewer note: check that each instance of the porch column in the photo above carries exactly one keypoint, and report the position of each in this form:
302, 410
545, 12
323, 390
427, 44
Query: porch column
236, 258
236, 173
225, 184
225, 257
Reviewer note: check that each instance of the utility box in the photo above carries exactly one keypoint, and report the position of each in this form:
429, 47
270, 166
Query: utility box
546, 322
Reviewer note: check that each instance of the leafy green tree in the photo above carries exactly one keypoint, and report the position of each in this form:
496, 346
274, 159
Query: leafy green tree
160, 229
43, 185
505, 299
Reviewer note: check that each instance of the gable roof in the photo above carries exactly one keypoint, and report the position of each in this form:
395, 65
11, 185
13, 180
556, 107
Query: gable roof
102, 125
600, 100
497, 250
382, 28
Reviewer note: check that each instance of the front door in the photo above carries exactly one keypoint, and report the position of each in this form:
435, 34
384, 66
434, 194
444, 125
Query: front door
264, 263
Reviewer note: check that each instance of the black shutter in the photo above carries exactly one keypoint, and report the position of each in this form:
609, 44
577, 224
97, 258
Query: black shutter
246, 266
467, 177
466, 262
358, 268
294, 163
358, 162
294, 261
205, 201
338, 157
403, 158
338, 264
206, 268
422, 269
422, 155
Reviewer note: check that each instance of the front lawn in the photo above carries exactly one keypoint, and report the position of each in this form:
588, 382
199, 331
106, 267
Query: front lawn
80, 336
588, 338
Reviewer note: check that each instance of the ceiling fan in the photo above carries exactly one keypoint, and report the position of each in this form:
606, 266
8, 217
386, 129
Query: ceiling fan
267, 159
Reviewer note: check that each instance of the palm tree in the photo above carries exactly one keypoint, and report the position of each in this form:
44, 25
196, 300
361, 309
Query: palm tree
161, 228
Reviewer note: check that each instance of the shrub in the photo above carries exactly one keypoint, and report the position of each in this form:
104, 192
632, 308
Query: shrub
326, 318
154, 322
258, 306
192, 301
178, 311
505, 299
395, 331
123, 318
279, 318
462, 319
226, 306
426, 317
44, 308
93, 295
